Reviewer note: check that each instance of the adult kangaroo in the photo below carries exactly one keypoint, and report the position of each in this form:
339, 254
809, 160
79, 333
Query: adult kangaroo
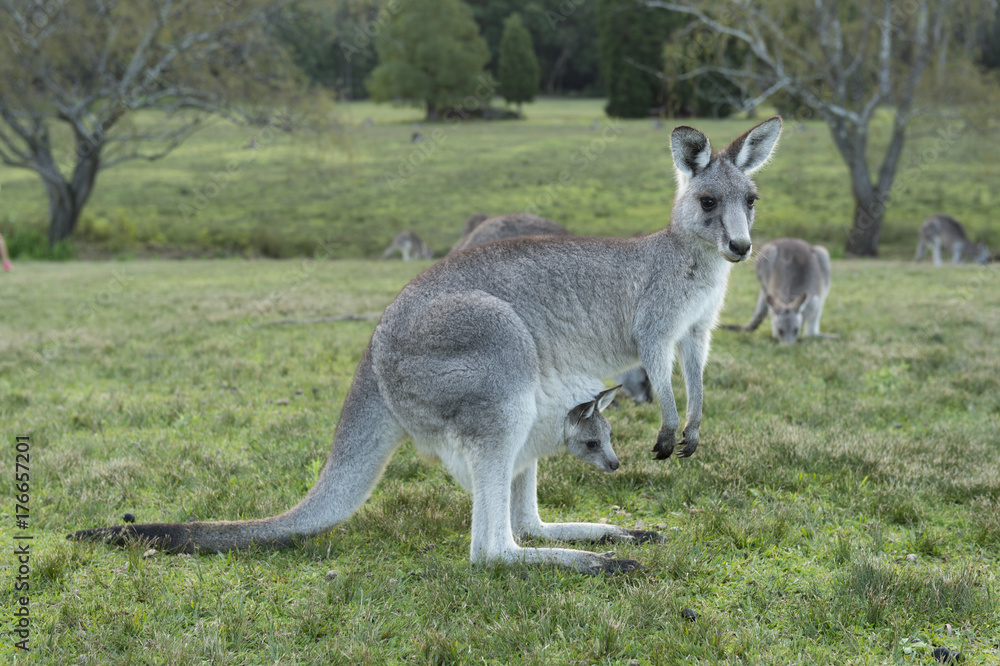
945, 232
514, 225
480, 358
794, 283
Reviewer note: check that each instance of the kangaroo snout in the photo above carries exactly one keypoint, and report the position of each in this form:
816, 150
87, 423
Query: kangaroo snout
740, 248
612, 465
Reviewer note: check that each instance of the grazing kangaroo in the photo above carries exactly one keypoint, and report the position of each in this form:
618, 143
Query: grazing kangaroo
943, 231
514, 225
410, 245
480, 358
588, 433
794, 283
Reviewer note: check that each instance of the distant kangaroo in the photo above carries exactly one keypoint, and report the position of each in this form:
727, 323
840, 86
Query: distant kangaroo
636, 385
410, 245
514, 225
943, 231
588, 433
794, 283
480, 358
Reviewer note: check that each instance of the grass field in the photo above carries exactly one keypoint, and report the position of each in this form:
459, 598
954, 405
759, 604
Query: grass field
357, 186
166, 389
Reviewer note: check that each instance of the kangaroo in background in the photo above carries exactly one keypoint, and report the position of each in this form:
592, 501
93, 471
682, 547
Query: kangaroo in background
480, 358
588, 433
410, 245
794, 283
471, 223
636, 385
943, 231
514, 225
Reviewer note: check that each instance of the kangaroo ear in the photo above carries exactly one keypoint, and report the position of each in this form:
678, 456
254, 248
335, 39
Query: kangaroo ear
604, 398
799, 303
582, 411
752, 150
691, 149
773, 302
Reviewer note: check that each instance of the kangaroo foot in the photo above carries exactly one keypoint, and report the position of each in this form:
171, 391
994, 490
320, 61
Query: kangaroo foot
689, 448
632, 536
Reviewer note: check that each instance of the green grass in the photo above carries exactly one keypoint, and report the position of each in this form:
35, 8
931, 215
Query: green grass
215, 197
157, 388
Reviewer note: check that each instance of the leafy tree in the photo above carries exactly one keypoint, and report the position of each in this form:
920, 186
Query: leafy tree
563, 32
430, 52
86, 66
631, 47
518, 65
690, 86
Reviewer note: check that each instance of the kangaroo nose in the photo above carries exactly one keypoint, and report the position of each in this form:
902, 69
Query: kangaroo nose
613, 465
739, 247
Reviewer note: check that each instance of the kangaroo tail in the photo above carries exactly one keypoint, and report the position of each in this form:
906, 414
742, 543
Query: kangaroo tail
365, 438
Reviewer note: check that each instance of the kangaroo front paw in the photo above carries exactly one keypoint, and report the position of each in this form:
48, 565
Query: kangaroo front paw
664, 444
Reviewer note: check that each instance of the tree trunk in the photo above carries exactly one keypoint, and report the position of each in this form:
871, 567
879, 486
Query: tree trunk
432, 111
862, 240
67, 199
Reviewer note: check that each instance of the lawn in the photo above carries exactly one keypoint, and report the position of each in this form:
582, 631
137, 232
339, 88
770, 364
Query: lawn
357, 184
180, 389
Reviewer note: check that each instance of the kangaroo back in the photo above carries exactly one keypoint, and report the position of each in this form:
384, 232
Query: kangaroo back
365, 438
515, 225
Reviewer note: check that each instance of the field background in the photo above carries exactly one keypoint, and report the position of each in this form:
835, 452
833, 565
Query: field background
299, 189
174, 389
167, 389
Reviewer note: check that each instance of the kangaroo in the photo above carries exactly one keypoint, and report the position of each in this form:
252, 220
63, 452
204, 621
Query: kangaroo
514, 225
943, 231
470, 225
588, 433
408, 244
635, 382
794, 283
480, 358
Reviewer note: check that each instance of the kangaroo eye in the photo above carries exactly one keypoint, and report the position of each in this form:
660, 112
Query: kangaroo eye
707, 203
751, 199
593, 445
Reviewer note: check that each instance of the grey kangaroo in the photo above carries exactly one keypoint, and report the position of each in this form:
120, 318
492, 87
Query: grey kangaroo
480, 358
515, 225
636, 385
588, 433
945, 232
410, 245
794, 283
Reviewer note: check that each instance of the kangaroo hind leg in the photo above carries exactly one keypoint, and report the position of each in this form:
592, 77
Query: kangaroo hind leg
492, 537
526, 521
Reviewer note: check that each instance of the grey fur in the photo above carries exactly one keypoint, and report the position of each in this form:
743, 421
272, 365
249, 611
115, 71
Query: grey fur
409, 245
588, 433
945, 232
795, 280
481, 357
515, 225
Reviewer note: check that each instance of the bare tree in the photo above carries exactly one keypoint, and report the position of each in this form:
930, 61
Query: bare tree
842, 61
85, 65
